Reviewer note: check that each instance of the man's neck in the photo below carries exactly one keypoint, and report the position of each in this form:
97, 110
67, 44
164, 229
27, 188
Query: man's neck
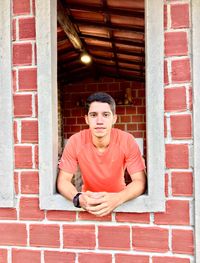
101, 143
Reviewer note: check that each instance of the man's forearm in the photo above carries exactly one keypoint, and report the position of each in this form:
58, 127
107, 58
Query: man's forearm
67, 189
132, 190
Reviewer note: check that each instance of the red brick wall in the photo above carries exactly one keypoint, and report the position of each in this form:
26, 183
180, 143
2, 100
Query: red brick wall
29, 234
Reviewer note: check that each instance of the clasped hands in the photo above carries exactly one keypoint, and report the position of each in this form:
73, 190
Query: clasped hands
99, 203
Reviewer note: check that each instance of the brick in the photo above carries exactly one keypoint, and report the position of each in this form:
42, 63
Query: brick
61, 215
29, 130
29, 209
114, 237
59, 257
166, 74
119, 258
182, 184
16, 184
21, 7
175, 99
24, 256
165, 16
190, 106
133, 217
182, 242
166, 185
13, 234
176, 44
150, 239
125, 119
120, 109
138, 118
29, 182
36, 156
181, 126
180, 16
177, 213
23, 105
28, 79
22, 54
14, 80
87, 216
23, 157
3, 256
8, 214
130, 110
79, 236
181, 71
44, 235
170, 260
177, 156
14, 29
27, 28
16, 140
94, 257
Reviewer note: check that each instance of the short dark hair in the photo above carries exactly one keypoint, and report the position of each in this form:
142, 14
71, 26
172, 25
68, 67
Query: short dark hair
101, 97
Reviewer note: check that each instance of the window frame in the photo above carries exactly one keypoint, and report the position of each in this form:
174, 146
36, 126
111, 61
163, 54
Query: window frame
6, 109
46, 22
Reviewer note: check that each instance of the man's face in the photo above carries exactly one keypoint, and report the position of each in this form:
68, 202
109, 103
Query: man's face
100, 119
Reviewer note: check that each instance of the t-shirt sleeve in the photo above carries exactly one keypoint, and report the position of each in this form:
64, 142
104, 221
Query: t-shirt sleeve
134, 160
68, 161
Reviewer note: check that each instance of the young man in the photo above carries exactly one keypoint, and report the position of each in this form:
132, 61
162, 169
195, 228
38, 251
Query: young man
102, 153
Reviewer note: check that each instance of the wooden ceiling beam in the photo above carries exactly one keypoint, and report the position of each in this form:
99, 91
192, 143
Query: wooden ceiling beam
110, 10
119, 51
117, 40
94, 25
121, 60
68, 26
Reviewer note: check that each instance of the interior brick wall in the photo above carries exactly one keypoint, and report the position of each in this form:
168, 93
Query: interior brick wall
28, 234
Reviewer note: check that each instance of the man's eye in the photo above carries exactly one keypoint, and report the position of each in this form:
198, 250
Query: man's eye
93, 115
106, 114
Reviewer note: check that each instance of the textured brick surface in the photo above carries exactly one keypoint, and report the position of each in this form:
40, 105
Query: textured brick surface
181, 126
44, 235
177, 156
24, 256
119, 258
175, 99
177, 213
29, 209
180, 15
94, 257
79, 236
182, 241
13, 234
182, 184
59, 257
3, 256
150, 239
23, 157
29, 182
110, 237
176, 44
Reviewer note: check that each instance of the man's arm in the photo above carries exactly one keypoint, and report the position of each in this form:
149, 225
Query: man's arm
105, 203
68, 190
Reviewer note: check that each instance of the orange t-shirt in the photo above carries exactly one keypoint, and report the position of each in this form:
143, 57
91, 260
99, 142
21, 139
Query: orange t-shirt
102, 171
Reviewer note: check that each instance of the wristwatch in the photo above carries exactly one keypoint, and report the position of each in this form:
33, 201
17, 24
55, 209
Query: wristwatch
76, 200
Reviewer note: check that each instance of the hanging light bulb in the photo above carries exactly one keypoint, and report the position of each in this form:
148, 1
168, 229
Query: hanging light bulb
85, 58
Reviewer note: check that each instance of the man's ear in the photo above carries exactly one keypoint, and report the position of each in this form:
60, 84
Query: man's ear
86, 119
114, 119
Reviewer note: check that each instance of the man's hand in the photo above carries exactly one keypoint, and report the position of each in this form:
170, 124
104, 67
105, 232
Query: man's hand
101, 203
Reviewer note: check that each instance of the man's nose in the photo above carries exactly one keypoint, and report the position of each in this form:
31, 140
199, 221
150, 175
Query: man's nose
99, 118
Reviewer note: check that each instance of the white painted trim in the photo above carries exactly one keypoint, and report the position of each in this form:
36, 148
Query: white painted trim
47, 97
196, 118
6, 106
